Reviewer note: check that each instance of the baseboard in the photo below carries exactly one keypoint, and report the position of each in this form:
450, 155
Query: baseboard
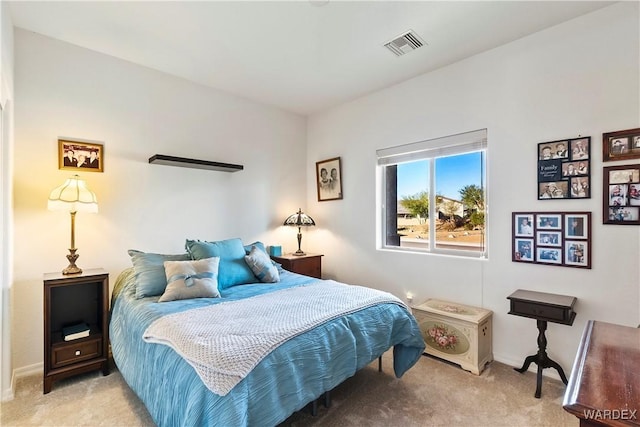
25, 371
9, 393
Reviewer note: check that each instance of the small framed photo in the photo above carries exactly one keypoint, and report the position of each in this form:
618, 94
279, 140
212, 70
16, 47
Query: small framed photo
549, 238
621, 195
80, 156
549, 221
579, 187
576, 253
523, 225
580, 148
621, 145
329, 179
553, 190
523, 250
549, 255
623, 215
576, 226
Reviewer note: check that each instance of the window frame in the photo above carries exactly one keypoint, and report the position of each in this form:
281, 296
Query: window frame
431, 150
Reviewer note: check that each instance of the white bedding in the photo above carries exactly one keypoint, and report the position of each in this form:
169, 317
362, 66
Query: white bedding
224, 352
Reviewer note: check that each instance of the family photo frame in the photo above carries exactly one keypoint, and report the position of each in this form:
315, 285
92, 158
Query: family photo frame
621, 195
552, 238
329, 179
80, 156
621, 145
564, 169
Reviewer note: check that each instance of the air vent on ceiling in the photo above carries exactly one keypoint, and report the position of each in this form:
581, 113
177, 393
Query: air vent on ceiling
404, 43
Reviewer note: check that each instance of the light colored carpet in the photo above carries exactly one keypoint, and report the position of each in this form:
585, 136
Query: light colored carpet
432, 393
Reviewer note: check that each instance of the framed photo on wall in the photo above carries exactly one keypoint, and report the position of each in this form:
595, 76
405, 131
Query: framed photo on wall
80, 156
621, 195
621, 145
329, 179
553, 238
564, 169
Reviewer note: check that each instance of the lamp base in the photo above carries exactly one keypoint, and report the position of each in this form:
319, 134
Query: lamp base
298, 253
72, 268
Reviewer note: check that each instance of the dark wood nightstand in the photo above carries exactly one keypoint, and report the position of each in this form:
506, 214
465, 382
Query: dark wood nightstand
544, 308
68, 300
309, 264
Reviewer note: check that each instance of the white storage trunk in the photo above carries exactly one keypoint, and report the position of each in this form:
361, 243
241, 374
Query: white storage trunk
455, 332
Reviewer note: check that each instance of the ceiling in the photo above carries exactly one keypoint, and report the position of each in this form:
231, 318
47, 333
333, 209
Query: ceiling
302, 56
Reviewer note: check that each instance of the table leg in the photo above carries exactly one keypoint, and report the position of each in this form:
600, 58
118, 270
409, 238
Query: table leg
541, 359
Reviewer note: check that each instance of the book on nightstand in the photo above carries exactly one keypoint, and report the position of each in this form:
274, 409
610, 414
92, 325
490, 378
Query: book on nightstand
74, 332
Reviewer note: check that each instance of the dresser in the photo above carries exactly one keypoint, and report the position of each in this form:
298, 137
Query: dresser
604, 386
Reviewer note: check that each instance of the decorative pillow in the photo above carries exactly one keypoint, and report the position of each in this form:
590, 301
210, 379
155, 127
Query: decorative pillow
150, 278
191, 279
233, 269
262, 266
259, 245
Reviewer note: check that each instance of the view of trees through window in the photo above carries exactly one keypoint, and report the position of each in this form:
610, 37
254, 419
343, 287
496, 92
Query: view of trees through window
458, 209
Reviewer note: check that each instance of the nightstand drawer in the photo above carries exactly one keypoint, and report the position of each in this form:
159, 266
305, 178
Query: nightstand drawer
308, 267
529, 309
71, 352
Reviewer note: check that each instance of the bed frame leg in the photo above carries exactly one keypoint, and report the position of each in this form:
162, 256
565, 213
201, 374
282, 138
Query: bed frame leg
327, 399
314, 408
380, 364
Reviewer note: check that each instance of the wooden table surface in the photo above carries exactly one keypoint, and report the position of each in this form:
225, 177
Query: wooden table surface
606, 376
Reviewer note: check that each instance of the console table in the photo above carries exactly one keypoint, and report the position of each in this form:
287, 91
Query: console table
604, 388
544, 308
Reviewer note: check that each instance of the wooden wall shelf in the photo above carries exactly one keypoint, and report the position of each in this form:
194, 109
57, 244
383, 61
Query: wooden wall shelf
162, 159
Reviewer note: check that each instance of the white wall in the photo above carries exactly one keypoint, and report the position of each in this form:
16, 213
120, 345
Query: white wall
66, 91
578, 78
6, 152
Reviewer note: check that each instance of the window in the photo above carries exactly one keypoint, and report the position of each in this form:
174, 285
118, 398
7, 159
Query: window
433, 195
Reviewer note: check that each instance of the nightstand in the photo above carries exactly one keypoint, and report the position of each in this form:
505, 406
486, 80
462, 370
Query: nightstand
309, 264
68, 300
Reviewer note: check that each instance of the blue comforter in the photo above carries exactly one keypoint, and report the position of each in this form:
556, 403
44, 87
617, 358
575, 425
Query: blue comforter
297, 372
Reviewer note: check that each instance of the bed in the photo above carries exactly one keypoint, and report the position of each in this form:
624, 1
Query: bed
295, 373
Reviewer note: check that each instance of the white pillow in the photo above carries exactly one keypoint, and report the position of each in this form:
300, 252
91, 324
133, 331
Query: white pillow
191, 279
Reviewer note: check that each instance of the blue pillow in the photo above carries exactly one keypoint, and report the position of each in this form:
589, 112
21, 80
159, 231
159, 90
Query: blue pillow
233, 269
150, 278
262, 266
259, 245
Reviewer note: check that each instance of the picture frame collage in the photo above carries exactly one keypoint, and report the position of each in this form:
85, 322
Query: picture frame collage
564, 169
554, 238
621, 195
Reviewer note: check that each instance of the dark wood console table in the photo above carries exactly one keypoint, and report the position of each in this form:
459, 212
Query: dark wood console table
604, 388
544, 308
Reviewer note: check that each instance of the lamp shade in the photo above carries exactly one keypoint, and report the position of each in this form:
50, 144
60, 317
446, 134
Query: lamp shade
299, 219
73, 196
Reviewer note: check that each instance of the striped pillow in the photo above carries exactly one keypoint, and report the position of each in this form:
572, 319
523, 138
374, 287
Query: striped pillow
261, 265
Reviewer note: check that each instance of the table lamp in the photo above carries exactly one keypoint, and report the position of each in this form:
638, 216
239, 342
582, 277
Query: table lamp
73, 196
299, 219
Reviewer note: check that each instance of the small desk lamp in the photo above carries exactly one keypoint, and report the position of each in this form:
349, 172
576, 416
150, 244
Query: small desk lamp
299, 219
73, 196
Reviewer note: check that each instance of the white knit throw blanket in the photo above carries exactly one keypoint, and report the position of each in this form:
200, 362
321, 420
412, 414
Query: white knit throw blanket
224, 342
